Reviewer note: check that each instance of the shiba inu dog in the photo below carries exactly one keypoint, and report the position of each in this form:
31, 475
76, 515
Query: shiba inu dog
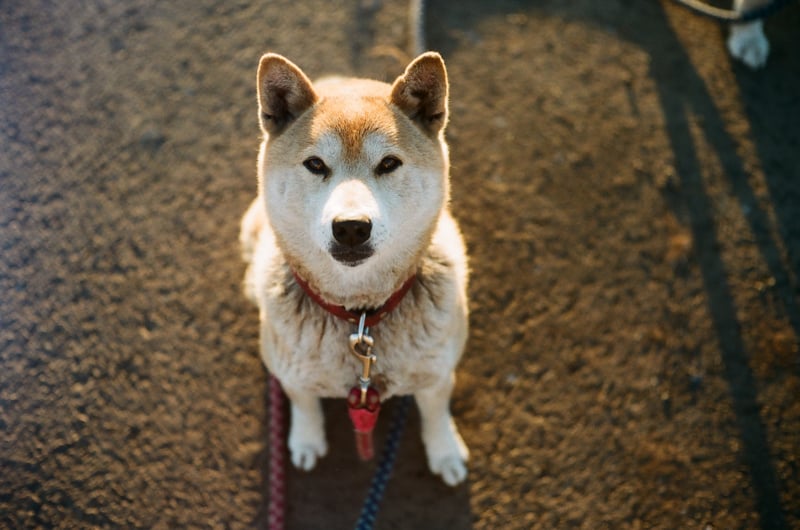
352, 225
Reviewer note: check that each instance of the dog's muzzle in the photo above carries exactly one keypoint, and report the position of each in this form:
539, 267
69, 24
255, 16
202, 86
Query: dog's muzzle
351, 240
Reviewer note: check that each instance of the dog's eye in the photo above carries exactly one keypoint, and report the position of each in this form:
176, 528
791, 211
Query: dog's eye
316, 166
387, 165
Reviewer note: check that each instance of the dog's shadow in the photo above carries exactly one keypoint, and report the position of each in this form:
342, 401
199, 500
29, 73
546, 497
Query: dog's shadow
333, 494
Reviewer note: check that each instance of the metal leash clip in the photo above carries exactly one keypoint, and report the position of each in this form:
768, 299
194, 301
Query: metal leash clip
361, 346
363, 400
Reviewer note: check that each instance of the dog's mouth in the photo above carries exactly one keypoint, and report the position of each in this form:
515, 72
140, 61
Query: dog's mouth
351, 256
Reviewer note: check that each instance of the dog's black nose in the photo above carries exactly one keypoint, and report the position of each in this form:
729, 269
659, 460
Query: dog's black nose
351, 232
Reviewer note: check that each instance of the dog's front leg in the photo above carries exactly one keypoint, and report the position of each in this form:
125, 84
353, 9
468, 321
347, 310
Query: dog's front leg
447, 453
307, 431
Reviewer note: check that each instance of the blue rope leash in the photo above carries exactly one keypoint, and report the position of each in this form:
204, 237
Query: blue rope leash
370, 509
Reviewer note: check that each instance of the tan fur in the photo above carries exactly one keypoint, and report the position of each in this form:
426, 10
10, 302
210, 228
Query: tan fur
352, 125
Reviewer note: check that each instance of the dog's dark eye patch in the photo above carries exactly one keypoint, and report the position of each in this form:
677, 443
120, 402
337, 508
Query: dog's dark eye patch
388, 164
316, 166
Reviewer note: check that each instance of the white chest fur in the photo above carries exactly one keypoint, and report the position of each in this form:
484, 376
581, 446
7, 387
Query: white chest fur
308, 349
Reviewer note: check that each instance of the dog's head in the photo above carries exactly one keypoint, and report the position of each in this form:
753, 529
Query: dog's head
354, 172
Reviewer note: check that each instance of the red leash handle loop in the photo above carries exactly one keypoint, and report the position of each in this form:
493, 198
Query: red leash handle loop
364, 416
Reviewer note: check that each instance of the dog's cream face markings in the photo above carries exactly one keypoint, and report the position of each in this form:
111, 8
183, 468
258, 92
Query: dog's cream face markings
348, 221
353, 181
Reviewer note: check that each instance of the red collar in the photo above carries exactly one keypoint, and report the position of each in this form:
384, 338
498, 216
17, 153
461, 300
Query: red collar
373, 316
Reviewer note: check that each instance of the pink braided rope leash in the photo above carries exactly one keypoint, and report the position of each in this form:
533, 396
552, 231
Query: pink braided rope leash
276, 510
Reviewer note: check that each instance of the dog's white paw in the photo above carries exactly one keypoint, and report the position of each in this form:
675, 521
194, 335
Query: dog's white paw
453, 469
749, 44
447, 455
305, 456
306, 445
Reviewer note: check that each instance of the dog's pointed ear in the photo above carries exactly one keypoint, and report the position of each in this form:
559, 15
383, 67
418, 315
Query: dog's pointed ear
421, 92
284, 93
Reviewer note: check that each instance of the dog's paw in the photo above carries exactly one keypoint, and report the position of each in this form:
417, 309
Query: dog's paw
452, 468
305, 456
447, 455
306, 447
749, 44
